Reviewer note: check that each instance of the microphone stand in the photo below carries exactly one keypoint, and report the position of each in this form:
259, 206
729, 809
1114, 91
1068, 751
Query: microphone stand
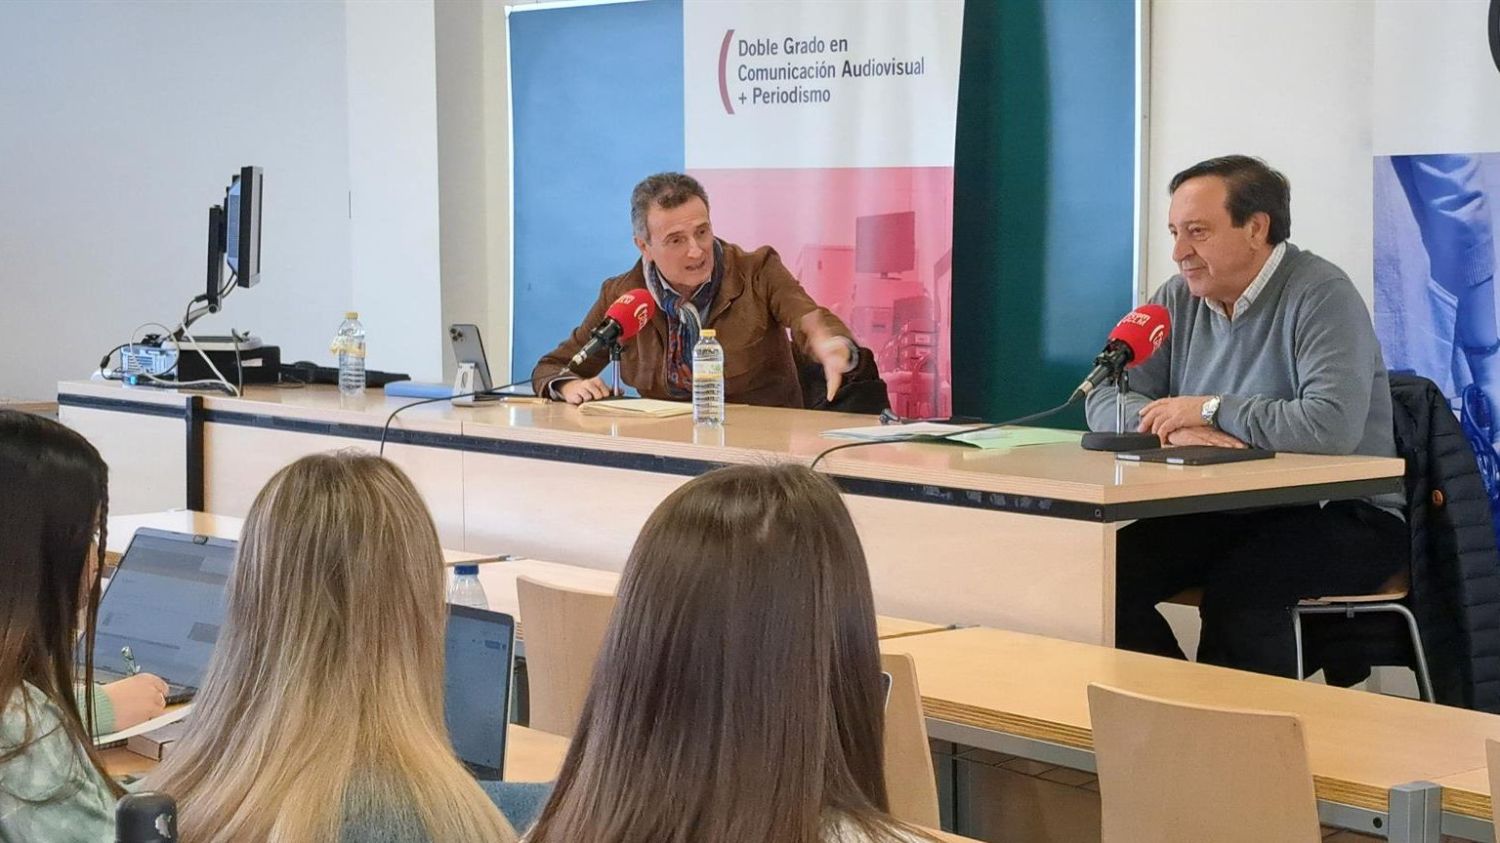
1120, 440
614, 364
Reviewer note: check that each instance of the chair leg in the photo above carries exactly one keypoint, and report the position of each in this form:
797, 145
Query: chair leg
1297, 637
1424, 677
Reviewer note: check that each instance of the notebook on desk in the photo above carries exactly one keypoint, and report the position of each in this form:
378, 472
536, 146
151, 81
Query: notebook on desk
646, 408
476, 688
165, 603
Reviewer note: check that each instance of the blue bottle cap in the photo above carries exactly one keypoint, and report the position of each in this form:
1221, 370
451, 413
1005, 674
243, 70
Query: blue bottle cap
466, 570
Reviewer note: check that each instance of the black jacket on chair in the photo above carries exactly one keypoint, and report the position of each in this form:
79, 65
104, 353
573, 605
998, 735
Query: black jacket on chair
1455, 570
863, 390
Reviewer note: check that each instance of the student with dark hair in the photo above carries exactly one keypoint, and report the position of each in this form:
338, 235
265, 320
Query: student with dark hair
737, 694
53, 499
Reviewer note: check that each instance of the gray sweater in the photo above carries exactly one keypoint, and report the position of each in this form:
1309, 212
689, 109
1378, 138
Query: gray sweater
1299, 370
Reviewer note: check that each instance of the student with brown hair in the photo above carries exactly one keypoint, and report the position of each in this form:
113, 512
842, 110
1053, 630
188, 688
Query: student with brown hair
52, 498
737, 694
321, 714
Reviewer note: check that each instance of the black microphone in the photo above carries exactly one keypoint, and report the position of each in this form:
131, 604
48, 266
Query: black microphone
623, 320
146, 817
1110, 361
1138, 334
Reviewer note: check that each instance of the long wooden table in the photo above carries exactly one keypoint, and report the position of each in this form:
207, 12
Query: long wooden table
1371, 755
498, 575
122, 528
1018, 539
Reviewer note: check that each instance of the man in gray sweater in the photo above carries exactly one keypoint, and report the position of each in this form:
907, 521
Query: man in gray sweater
1271, 346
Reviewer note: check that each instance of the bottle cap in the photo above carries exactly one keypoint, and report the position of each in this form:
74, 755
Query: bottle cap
707, 333
466, 570
352, 314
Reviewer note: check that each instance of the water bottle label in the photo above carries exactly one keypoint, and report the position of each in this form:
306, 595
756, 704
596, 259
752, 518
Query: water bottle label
706, 369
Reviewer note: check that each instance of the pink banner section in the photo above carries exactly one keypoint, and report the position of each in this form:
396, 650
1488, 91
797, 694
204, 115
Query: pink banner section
875, 246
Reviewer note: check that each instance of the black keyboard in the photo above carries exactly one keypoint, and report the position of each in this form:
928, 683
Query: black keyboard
305, 372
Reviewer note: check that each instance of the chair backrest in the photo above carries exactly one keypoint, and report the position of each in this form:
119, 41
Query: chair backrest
909, 777
1174, 773
562, 630
1492, 756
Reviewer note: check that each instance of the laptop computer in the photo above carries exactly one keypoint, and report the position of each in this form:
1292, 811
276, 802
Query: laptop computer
165, 603
476, 689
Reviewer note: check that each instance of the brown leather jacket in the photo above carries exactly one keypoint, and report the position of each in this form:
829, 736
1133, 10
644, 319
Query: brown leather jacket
758, 302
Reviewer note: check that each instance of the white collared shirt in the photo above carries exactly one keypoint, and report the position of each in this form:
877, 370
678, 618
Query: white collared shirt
1247, 298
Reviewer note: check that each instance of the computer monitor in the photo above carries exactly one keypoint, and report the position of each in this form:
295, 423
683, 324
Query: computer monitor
886, 243
234, 233
242, 226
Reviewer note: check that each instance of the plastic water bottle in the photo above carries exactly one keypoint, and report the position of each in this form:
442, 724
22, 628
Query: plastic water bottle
349, 344
708, 379
466, 589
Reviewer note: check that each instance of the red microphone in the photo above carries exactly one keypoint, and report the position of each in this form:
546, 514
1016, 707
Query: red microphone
622, 321
1135, 338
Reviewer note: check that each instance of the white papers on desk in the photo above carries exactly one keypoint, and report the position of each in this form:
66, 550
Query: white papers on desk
987, 438
896, 432
172, 716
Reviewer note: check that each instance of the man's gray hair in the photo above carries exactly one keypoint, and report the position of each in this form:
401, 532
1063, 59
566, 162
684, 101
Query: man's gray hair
666, 190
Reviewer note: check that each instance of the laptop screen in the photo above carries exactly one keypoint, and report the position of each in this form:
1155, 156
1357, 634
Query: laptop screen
165, 602
476, 689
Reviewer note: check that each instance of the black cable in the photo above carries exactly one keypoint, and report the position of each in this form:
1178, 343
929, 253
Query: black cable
947, 436
392, 417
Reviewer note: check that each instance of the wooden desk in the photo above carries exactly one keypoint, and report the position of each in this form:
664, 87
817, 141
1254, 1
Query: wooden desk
1020, 539
499, 581
1467, 794
122, 528
1022, 694
530, 756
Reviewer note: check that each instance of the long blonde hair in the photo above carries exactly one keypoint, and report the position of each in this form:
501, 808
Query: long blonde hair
737, 694
327, 677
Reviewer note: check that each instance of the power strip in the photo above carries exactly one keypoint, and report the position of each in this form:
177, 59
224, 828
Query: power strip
141, 359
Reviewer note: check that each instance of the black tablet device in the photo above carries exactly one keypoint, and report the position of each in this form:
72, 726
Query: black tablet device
1195, 455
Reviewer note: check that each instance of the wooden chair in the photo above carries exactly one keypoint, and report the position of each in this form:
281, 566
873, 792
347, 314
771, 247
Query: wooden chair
564, 629
909, 778
1177, 773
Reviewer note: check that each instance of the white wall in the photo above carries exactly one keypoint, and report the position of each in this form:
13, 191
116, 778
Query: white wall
393, 166
123, 121
1286, 80
474, 174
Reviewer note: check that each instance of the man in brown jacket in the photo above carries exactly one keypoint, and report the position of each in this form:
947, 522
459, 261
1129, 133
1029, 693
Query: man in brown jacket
748, 298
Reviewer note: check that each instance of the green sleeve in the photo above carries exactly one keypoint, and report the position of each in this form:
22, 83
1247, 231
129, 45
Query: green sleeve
104, 710
50, 791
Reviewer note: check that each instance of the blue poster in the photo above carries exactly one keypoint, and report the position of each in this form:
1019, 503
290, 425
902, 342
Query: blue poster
1435, 303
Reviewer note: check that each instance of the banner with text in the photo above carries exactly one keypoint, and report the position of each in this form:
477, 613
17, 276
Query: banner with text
822, 128
1437, 210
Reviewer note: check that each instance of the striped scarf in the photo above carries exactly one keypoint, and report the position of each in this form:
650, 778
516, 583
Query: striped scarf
682, 334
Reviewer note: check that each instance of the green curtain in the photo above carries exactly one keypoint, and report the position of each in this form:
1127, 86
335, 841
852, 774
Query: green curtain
1043, 199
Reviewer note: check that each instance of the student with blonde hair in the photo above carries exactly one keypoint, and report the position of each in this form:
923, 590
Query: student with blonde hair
737, 696
320, 717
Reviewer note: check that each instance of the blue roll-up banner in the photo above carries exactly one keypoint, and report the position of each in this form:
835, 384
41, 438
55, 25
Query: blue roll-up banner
1437, 210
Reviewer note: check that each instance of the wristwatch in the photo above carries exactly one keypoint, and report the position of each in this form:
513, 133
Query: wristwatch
1210, 410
